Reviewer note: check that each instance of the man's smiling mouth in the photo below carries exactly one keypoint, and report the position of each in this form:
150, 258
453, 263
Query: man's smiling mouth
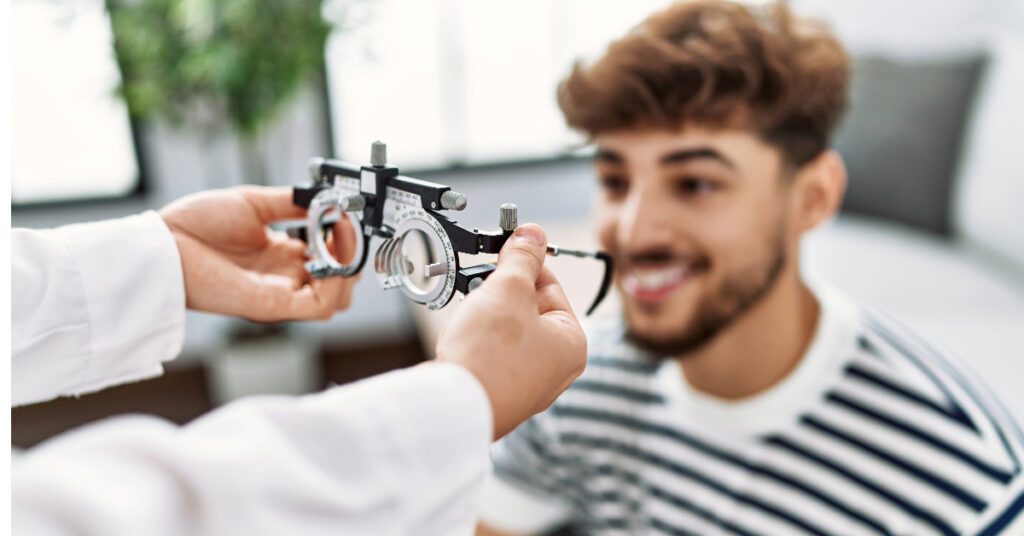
652, 285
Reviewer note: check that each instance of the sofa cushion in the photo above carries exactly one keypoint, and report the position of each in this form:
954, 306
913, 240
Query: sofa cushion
901, 137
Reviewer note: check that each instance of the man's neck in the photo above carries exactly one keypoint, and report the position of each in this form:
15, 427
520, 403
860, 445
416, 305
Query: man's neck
761, 347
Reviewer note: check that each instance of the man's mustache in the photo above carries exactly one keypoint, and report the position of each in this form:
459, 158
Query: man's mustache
662, 256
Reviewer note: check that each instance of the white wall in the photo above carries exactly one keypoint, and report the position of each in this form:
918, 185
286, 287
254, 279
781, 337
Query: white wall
916, 28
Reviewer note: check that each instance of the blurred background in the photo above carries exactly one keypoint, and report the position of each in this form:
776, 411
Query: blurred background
124, 105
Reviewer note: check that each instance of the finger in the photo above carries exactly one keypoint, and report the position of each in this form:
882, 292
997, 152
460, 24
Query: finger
272, 203
267, 297
333, 293
313, 301
522, 257
342, 296
296, 273
282, 238
550, 295
345, 237
342, 242
282, 255
344, 300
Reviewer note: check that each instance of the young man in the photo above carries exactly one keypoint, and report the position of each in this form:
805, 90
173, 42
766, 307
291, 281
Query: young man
732, 396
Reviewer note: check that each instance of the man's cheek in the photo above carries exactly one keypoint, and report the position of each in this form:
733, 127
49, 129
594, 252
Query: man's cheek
729, 241
607, 230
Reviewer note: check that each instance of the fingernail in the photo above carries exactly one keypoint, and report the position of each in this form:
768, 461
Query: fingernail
531, 233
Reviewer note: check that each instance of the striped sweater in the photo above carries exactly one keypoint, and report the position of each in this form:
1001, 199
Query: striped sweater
874, 432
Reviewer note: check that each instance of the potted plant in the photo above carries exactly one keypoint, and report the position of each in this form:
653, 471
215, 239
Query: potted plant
218, 65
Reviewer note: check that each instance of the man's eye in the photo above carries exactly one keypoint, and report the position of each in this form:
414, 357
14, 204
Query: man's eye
695, 186
614, 184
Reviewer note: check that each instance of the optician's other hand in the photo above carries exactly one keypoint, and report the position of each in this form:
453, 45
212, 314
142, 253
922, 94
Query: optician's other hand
517, 334
233, 264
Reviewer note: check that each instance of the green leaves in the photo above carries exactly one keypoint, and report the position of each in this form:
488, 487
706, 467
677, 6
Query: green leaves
213, 61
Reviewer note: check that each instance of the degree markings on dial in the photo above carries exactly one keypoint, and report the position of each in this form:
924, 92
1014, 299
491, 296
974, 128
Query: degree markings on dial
403, 223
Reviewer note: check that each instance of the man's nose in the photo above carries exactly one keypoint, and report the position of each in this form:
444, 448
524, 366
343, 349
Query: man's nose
645, 221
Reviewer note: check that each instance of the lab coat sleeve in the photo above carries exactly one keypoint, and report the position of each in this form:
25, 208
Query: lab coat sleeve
401, 453
93, 305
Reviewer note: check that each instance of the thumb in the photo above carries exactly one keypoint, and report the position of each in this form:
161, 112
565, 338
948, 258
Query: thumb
522, 257
272, 203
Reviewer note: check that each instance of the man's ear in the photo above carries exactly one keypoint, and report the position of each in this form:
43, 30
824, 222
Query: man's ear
821, 184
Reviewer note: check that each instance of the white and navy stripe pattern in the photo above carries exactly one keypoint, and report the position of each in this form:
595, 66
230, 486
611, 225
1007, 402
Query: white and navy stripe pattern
902, 441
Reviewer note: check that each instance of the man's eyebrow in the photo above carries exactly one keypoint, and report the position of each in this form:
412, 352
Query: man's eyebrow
684, 155
608, 155
675, 157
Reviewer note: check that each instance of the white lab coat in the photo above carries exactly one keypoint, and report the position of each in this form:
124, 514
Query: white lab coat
99, 304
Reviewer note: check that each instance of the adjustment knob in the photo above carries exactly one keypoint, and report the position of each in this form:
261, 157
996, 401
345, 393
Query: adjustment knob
453, 200
378, 154
352, 203
508, 219
315, 165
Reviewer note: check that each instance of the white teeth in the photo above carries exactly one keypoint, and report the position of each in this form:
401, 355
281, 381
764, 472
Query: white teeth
657, 279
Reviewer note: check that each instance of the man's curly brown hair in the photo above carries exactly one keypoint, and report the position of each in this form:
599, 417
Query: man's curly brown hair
718, 64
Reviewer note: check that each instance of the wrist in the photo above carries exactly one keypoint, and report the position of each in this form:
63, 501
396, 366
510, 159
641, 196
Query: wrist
498, 405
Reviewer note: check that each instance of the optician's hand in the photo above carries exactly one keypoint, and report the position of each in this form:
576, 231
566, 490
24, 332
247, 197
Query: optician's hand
233, 264
517, 334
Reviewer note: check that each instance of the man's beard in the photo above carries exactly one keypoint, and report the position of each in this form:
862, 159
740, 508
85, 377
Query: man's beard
715, 312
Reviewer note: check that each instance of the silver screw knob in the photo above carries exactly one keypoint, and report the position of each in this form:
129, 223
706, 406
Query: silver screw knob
378, 154
508, 219
314, 167
453, 200
352, 203
474, 283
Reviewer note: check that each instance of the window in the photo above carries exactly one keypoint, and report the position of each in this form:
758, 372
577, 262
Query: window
463, 81
71, 136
